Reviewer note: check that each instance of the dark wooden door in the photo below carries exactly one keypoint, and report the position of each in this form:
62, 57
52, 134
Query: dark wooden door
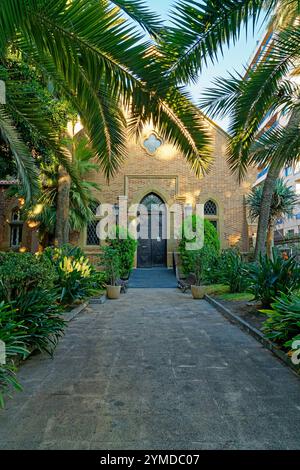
152, 252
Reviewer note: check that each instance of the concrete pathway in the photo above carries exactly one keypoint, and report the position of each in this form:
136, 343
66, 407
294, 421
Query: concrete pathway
153, 278
154, 369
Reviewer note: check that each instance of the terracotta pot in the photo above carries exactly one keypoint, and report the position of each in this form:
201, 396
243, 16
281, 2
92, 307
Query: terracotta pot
113, 292
198, 292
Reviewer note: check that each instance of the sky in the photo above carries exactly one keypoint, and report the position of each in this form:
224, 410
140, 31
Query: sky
234, 58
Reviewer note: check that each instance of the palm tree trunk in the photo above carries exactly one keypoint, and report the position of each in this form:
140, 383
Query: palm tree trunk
270, 239
263, 221
62, 207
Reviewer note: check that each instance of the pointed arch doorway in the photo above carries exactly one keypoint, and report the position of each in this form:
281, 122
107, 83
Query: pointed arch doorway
152, 251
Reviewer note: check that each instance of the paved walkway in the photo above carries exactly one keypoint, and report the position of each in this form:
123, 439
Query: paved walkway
153, 278
154, 369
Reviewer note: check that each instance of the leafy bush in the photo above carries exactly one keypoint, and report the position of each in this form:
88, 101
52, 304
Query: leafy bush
269, 278
75, 275
125, 245
21, 272
200, 264
283, 323
211, 243
11, 333
109, 261
233, 272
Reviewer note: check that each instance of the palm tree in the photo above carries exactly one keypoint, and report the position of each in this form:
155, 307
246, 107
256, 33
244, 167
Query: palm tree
43, 213
201, 29
267, 88
96, 57
284, 200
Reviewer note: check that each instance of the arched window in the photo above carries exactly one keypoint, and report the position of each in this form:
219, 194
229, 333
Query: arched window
211, 213
91, 234
16, 228
210, 208
152, 199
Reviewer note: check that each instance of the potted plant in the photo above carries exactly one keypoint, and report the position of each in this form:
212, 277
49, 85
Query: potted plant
111, 264
125, 245
198, 267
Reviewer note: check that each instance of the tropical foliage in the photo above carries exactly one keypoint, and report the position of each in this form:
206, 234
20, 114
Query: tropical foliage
268, 278
76, 278
11, 333
35, 290
233, 271
283, 323
31, 119
199, 32
94, 56
43, 212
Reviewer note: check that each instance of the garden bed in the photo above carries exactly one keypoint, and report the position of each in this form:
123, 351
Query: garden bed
248, 318
245, 309
241, 304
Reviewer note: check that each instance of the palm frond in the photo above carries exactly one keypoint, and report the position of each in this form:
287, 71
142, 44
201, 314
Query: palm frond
141, 13
264, 90
221, 98
281, 144
25, 164
202, 28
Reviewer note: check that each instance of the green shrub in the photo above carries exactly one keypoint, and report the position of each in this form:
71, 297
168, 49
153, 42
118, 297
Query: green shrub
76, 277
125, 245
233, 272
12, 333
21, 272
200, 264
269, 278
109, 261
283, 323
211, 244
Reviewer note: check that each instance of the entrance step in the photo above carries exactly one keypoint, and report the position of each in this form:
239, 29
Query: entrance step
152, 278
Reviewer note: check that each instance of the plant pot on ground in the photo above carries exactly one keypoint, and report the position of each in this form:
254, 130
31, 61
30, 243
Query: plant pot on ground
111, 264
113, 292
199, 261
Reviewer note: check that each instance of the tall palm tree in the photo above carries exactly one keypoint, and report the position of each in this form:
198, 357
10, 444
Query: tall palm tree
43, 212
200, 31
267, 88
96, 57
284, 200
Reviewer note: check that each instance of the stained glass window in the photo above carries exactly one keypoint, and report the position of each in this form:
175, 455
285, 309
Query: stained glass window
152, 143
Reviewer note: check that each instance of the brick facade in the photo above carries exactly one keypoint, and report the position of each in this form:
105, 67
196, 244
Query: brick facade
167, 174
